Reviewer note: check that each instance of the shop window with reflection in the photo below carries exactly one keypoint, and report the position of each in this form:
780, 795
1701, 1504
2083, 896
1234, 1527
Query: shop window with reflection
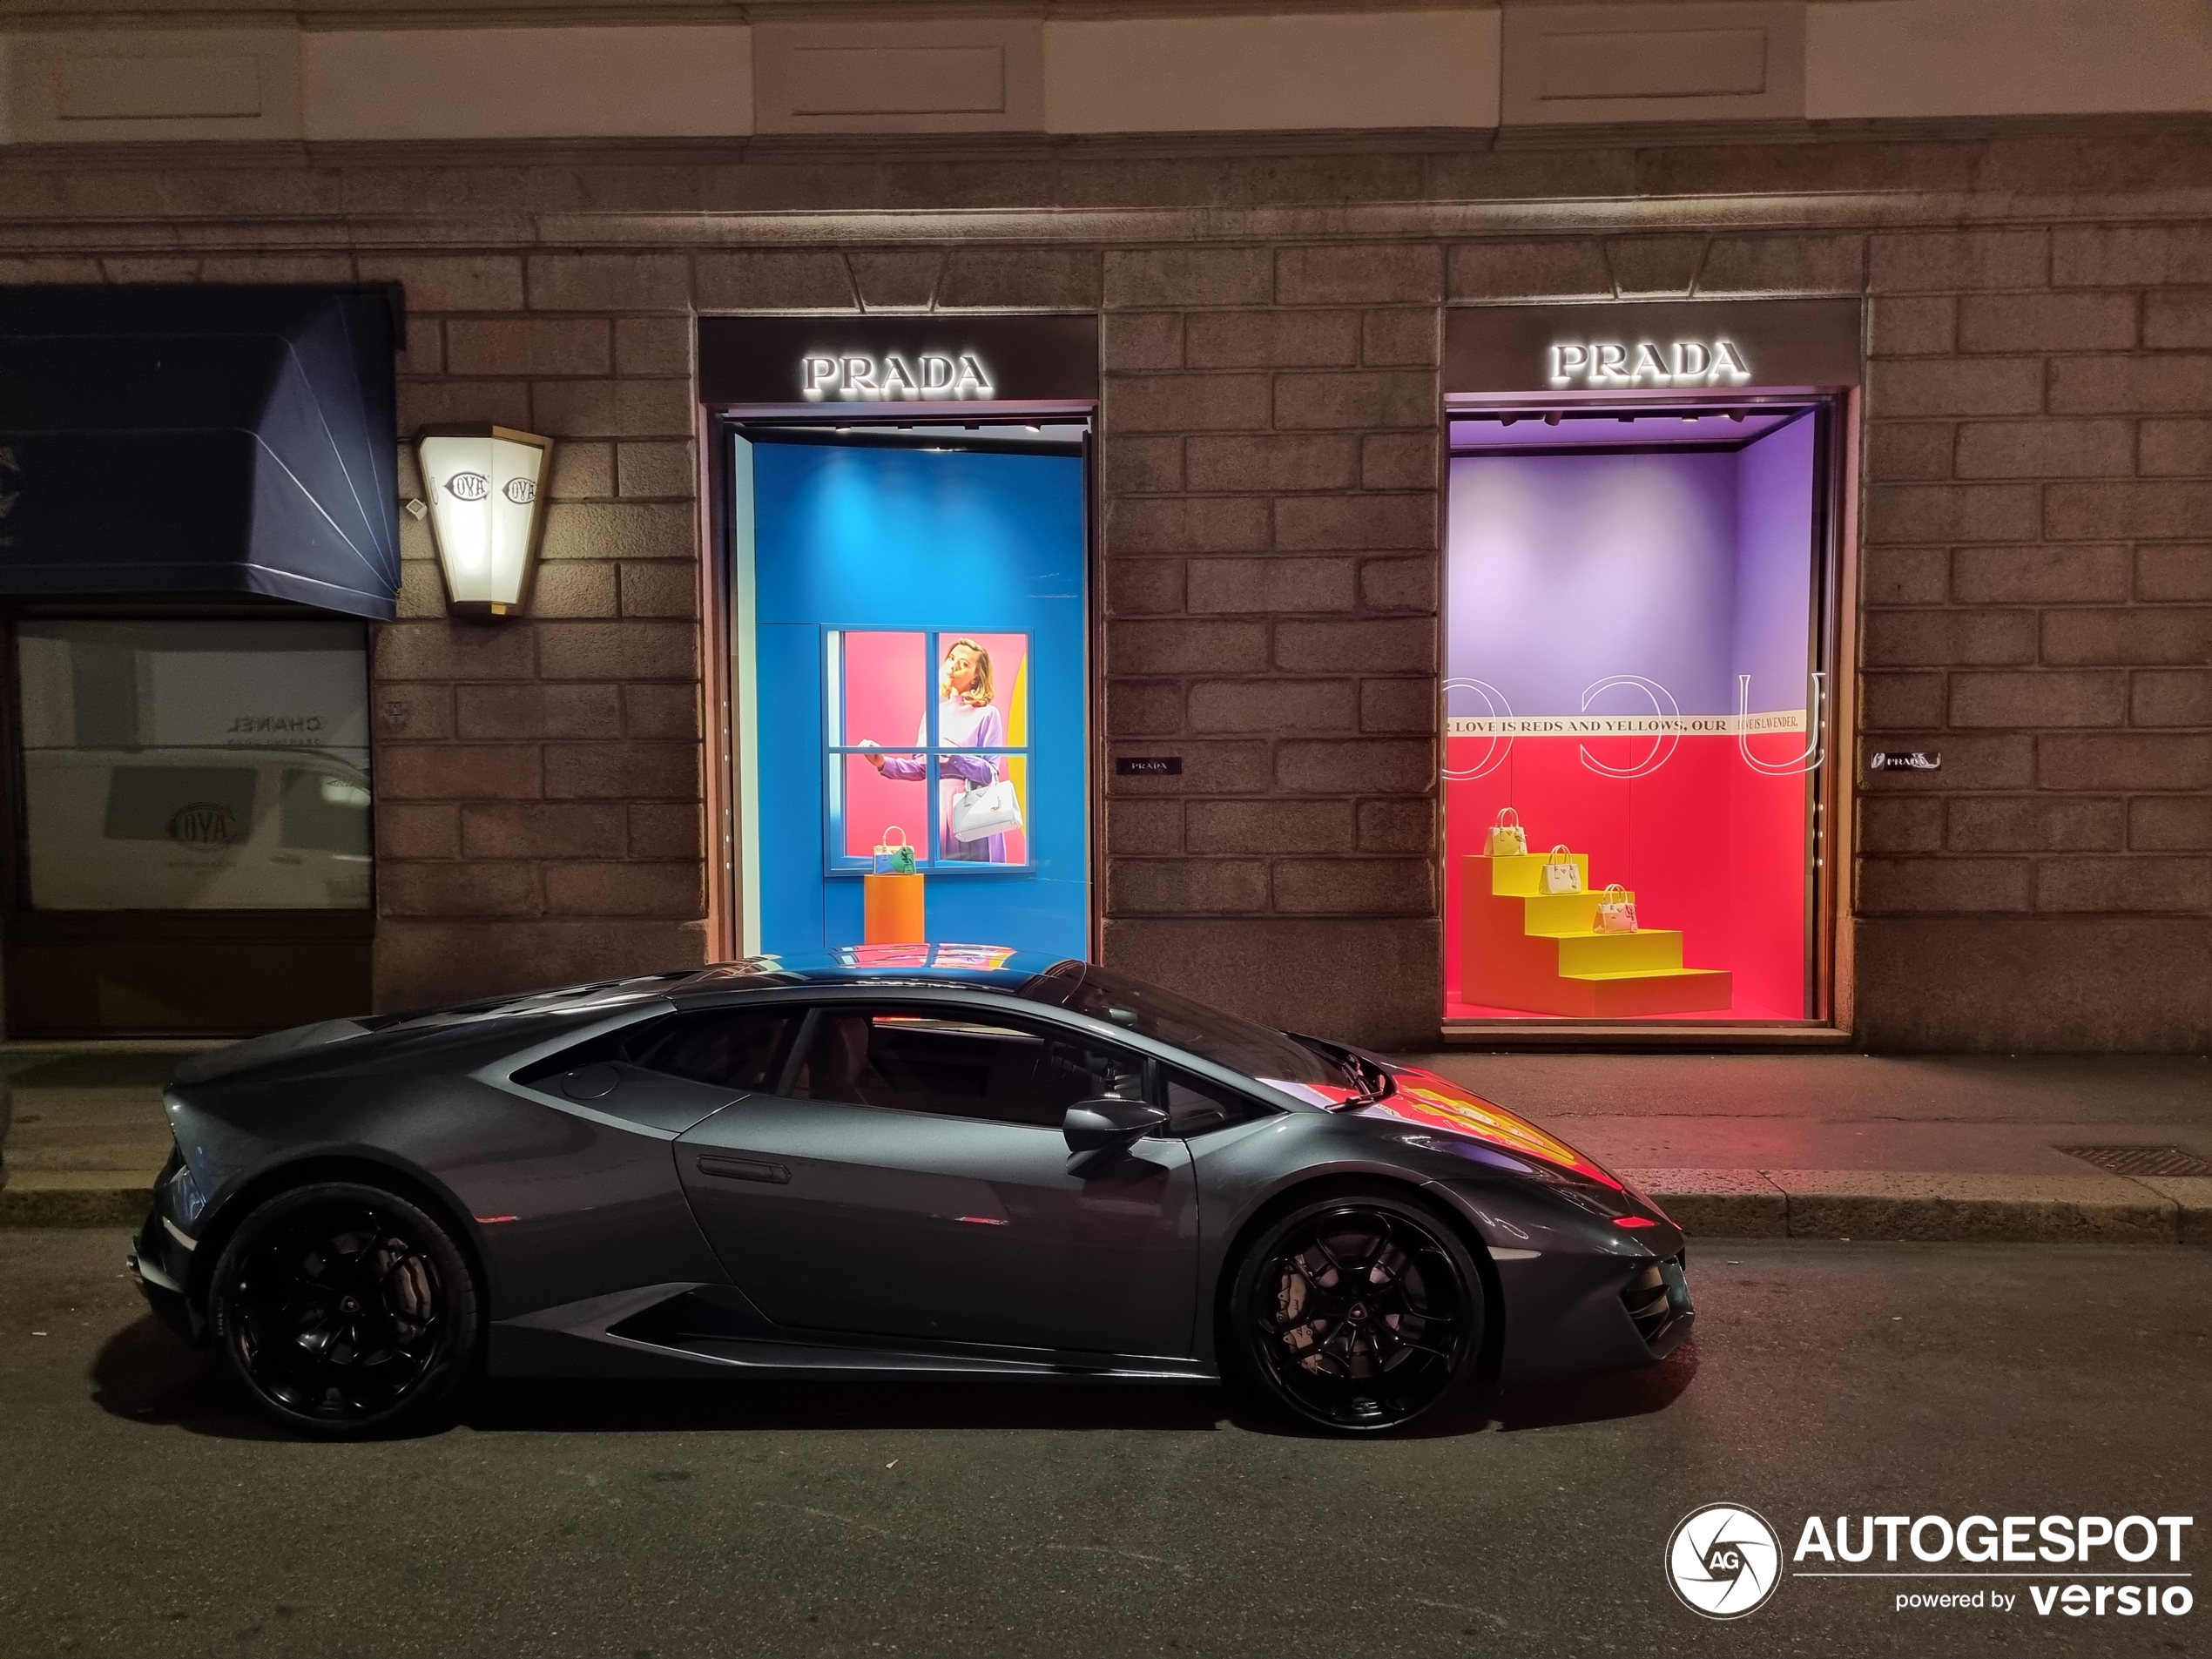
194, 766
957, 789
1637, 707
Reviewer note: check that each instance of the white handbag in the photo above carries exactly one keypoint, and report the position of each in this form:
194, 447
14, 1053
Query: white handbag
1616, 912
1562, 873
992, 810
1507, 839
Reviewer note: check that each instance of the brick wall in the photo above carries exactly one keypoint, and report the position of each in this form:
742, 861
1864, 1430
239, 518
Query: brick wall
2037, 545
1271, 450
538, 781
2038, 582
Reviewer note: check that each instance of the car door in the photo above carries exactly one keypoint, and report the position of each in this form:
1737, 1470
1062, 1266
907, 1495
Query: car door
910, 1180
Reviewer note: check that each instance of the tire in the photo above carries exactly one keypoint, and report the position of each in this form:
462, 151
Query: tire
345, 1310
1356, 1314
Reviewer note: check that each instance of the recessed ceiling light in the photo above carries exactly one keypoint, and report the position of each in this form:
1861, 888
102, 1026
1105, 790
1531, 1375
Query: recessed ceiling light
1551, 417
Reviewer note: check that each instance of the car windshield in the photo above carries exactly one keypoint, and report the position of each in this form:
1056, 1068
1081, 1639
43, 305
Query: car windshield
1272, 1057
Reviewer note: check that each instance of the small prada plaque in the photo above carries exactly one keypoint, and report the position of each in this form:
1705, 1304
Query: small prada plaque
1905, 761
1148, 765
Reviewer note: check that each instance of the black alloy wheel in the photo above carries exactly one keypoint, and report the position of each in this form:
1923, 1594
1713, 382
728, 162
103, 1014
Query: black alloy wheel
1358, 1313
345, 1310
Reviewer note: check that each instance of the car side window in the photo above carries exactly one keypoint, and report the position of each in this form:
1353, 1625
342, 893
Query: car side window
729, 1047
956, 1064
735, 1049
1195, 1106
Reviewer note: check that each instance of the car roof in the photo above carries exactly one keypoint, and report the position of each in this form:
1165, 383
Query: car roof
996, 967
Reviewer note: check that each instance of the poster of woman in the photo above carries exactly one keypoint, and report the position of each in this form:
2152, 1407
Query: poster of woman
978, 822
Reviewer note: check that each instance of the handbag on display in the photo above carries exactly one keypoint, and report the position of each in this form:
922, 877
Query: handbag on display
1507, 839
895, 858
1616, 912
1562, 873
992, 810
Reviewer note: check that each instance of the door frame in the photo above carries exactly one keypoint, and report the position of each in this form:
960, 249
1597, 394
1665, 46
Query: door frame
729, 707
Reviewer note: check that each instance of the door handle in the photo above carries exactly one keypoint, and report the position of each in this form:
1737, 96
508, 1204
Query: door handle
735, 1168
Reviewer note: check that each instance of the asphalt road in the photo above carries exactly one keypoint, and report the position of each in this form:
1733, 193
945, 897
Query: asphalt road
143, 1512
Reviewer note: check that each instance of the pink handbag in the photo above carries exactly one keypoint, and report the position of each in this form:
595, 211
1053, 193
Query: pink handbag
1616, 912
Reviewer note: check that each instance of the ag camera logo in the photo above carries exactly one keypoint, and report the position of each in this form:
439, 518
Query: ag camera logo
1723, 1561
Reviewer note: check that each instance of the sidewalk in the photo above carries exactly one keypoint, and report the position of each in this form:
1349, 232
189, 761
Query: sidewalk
1830, 1146
1950, 1147
89, 1133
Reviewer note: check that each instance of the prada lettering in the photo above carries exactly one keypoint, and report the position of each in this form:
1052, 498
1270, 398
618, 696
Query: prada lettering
1647, 362
931, 377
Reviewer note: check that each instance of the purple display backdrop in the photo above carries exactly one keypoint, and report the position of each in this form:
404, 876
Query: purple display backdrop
1774, 567
1566, 568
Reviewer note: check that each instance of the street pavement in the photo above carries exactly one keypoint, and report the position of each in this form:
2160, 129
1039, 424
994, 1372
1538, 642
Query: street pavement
145, 1513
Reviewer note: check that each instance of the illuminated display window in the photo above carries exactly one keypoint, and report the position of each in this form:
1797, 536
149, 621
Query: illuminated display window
1637, 710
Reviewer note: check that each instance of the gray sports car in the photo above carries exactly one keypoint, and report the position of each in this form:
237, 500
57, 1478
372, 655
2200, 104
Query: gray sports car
942, 1160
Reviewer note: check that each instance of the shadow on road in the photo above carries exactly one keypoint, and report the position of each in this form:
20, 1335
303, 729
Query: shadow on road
1596, 1399
146, 1375
617, 1408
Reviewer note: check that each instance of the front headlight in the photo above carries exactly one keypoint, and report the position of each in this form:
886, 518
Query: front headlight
176, 1191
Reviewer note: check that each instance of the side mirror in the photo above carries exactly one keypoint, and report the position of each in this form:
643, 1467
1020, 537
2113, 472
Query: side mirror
1096, 1125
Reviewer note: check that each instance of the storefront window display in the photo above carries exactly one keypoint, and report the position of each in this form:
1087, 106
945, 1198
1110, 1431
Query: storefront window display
1638, 709
194, 765
908, 683
917, 661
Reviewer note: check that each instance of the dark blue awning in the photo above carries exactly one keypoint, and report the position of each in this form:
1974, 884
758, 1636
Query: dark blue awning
199, 441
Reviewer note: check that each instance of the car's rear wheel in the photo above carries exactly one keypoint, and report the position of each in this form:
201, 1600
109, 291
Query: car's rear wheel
345, 1310
1358, 1312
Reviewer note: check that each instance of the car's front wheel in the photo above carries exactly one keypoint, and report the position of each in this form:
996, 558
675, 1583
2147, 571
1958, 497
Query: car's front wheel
1358, 1312
344, 1310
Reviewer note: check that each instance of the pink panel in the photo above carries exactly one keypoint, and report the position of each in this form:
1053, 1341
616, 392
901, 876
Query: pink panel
887, 682
873, 803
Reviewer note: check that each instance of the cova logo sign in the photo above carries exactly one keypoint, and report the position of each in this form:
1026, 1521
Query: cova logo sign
1681, 362
933, 377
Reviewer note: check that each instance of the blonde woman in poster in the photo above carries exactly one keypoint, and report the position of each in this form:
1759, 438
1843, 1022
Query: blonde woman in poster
966, 714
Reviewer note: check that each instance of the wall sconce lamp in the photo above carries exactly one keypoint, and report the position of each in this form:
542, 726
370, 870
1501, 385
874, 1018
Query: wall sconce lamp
486, 512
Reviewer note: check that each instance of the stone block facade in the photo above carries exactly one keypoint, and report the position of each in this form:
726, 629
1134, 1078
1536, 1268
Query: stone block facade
2035, 520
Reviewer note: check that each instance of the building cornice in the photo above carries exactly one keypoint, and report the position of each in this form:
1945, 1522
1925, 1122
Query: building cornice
706, 232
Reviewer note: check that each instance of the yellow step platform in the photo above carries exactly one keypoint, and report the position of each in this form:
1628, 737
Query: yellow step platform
1523, 949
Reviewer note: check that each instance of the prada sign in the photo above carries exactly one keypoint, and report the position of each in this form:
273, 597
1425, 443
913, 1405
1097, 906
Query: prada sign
1680, 362
757, 362
934, 377
1635, 346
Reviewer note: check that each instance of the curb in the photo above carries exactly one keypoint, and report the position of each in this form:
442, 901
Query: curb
75, 1198
1883, 1204
1868, 1205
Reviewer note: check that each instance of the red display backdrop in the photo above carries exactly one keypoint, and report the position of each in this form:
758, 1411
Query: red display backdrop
1708, 844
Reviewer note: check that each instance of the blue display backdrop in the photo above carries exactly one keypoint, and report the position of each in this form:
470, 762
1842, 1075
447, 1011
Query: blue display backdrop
912, 553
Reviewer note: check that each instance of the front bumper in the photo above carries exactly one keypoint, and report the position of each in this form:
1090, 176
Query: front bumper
160, 1262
